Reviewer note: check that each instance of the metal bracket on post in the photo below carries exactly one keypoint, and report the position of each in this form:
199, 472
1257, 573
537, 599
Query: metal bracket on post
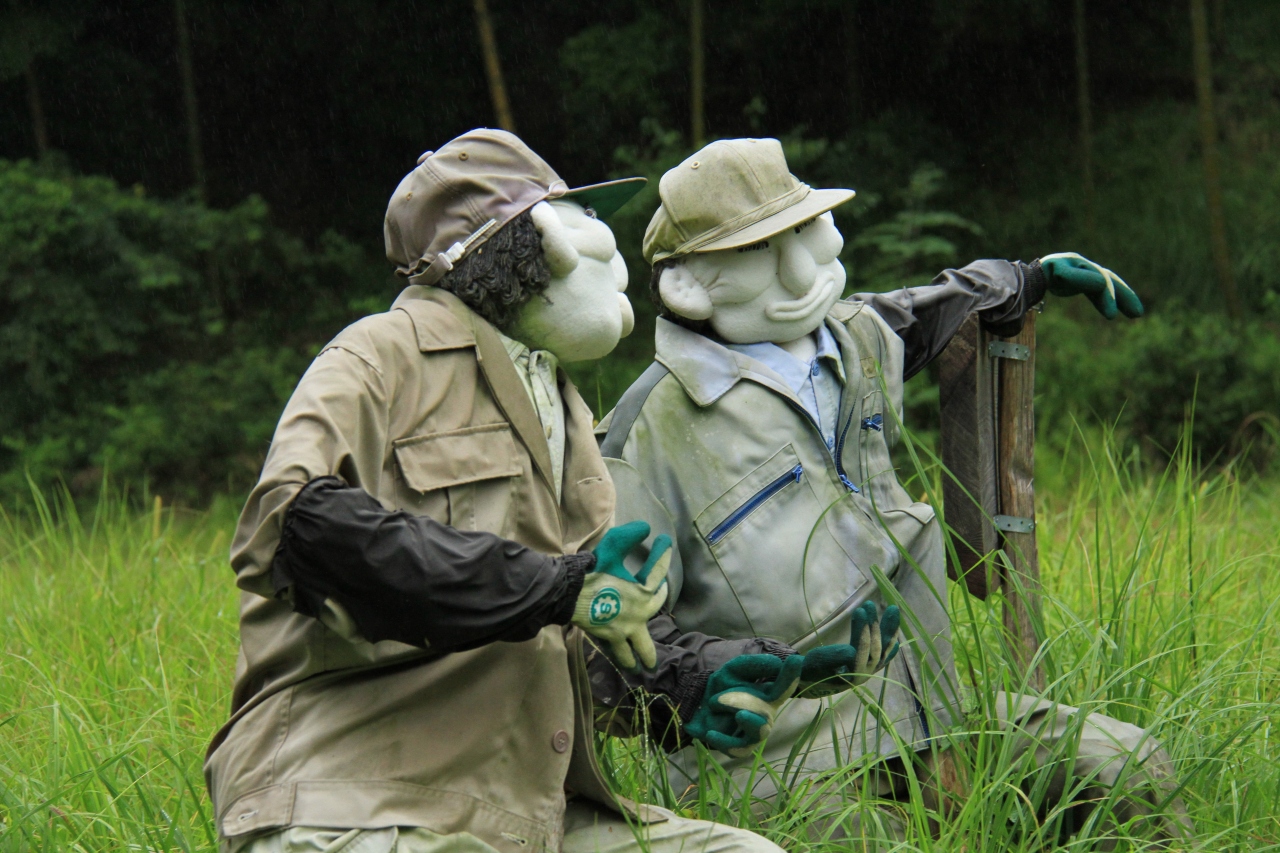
1004, 349
1014, 524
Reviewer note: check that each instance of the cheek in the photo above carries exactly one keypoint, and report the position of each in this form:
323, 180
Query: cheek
824, 241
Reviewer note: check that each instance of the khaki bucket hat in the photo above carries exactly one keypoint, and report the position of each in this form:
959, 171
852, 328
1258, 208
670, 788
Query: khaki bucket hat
464, 192
732, 193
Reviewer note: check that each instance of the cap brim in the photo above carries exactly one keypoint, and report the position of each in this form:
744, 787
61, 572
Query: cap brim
606, 198
816, 203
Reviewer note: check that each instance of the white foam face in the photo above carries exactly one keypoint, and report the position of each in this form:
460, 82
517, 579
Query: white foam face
584, 311
778, 290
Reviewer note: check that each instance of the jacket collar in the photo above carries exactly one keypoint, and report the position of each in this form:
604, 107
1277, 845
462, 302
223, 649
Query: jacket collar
707, 369
441, 322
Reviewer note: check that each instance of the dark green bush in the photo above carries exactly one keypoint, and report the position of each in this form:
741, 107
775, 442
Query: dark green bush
154, 338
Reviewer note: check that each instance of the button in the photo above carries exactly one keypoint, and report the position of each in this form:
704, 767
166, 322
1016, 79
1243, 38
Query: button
814, 369
560, 741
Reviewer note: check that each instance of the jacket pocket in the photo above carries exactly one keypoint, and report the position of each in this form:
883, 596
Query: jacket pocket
785, 574
475, 467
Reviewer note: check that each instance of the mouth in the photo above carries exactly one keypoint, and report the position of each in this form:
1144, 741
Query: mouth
799, 309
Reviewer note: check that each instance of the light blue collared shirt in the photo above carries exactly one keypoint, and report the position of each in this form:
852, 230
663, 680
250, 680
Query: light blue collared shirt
818, 384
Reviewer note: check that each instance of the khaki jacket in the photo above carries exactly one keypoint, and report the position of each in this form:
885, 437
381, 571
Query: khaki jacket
774, 545
422, 408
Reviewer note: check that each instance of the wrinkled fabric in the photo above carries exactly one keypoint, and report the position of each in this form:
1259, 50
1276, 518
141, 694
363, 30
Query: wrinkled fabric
411, 579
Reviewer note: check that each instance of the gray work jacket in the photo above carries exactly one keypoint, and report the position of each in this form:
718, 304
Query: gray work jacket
781, 537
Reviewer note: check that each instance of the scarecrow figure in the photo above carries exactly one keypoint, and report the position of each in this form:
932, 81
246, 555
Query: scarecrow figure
432, 541
764, 430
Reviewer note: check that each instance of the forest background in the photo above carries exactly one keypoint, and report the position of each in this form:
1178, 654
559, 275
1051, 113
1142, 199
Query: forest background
191, 192
191, 198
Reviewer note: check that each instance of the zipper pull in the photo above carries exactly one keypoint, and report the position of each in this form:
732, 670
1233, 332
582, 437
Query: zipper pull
875, 422
797, 472
848, 484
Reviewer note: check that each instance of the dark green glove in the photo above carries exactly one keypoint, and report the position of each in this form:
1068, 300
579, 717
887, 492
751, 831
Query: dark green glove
741, 701
1070, 274
616, 607
835, 668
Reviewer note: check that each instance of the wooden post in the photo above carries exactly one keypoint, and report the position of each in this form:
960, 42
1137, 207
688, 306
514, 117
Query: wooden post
967, 402
1016, 442
988, 448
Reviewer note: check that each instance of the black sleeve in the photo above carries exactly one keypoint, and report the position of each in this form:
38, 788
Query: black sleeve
411, 579
673, 691
927, 317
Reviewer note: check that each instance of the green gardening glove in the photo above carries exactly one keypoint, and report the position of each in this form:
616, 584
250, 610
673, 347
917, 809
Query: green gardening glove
1069, 274
616, 607
835, 668
741, 701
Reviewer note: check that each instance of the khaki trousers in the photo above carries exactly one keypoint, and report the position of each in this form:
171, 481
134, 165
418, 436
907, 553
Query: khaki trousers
1080, 763
589, 828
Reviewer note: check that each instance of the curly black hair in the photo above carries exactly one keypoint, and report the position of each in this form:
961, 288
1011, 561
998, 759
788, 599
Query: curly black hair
496, 279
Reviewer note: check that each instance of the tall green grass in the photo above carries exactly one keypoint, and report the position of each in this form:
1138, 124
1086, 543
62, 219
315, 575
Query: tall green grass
117, 644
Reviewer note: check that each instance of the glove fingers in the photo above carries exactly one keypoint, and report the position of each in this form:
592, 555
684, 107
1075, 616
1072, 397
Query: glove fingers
890, 623
619, 541
857, 622
875, 647
787, 679
622, 655
1129, 303
660, 559
893, 652
742, 701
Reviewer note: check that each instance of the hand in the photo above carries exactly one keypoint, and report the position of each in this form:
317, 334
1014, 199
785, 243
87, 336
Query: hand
1069, 274
616, 607
835, 668
741, 701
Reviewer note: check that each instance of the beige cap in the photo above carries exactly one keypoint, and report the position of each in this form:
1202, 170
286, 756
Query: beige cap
461, 194
734, 192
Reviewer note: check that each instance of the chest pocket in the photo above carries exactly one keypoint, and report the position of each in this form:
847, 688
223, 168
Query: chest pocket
465, 478
785, 575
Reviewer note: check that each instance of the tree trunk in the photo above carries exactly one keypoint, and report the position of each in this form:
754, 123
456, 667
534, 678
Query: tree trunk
697, 75
493, 67
1209, 146
1086, 123
38, 127
853, 84
186, 67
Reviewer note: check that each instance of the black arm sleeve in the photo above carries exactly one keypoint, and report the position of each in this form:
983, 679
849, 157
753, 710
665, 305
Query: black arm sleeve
673, 691
927, 317
411, 579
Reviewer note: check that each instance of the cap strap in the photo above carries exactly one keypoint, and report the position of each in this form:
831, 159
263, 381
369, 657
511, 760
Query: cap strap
445, 260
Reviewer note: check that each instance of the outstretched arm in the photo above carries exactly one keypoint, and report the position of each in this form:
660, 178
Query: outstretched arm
926, 318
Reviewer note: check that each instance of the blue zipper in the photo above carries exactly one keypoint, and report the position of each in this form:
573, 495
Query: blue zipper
839, 456
722, 529
875, 422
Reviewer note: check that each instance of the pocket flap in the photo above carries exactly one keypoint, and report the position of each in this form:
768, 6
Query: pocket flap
444, 459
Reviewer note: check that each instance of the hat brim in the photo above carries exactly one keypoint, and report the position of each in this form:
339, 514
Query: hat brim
816, 203
607, 197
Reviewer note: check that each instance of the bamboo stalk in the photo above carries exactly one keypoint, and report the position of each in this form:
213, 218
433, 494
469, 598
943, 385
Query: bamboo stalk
186, 67
493, 67
1086, 122
34, 102
1209, 147
697, 75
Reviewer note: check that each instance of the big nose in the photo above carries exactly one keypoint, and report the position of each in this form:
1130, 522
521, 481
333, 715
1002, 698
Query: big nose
797, 269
